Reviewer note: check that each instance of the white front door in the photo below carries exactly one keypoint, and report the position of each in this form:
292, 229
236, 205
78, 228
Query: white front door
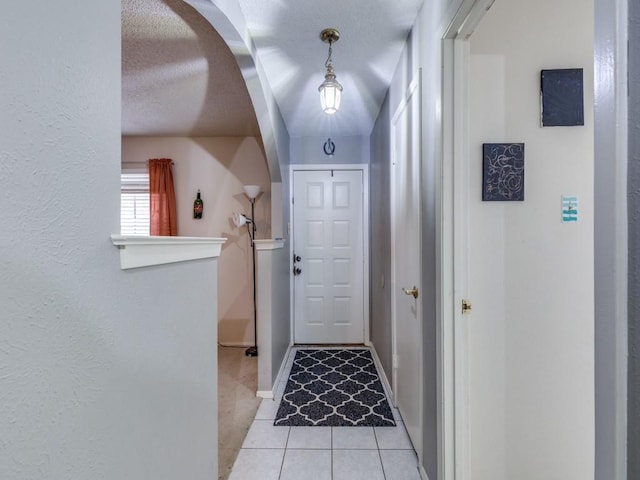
406, 262
328, 238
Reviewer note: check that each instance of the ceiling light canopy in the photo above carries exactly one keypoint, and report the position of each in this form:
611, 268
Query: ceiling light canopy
330, 90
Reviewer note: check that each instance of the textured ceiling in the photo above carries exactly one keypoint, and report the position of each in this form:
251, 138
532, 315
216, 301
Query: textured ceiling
179, 78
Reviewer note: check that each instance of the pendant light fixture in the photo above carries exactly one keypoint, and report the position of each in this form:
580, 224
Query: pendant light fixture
330, 90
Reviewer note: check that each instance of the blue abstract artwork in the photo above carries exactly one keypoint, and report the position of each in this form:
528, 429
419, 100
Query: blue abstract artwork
503, 172
562, 97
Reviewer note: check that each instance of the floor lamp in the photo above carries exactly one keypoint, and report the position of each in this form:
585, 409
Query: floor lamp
239, 220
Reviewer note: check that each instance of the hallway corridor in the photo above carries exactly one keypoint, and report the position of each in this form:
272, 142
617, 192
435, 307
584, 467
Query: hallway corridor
322, 453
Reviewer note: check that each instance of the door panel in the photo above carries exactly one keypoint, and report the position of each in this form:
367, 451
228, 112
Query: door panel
329, 238
406, 234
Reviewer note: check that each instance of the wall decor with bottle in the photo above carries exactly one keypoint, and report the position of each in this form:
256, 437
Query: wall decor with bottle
198, 206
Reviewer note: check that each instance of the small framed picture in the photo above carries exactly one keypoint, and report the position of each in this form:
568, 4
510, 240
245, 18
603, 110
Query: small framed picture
562, 97
503, 172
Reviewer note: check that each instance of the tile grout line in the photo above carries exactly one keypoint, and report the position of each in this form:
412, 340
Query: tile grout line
284, 455
286, 445
331, 463
375, 435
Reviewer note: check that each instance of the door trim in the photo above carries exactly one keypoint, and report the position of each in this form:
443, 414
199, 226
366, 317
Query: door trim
364, 168
454, 381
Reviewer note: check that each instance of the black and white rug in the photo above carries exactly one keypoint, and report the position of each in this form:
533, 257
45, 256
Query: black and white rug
335, 388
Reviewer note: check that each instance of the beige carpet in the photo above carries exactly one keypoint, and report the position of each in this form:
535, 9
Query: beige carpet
237, 403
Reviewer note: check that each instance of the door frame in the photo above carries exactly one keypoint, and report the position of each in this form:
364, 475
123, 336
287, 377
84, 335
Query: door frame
454, 386
414, 88
366, 234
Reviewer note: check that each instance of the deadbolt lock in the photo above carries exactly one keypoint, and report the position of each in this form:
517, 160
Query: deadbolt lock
466, 307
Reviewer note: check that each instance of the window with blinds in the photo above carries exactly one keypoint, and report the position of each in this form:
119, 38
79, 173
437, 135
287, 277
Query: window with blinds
134, 203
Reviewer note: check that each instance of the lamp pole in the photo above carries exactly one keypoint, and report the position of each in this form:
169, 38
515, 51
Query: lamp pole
253, 351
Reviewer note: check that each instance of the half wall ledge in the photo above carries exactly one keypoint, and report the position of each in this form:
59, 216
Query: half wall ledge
269, 244
137, 251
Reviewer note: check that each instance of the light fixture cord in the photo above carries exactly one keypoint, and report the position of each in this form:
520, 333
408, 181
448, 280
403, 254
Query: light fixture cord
328, 63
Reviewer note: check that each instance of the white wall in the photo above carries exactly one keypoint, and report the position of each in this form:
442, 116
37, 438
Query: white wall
487, 231
532, 332
219, 167
104, 373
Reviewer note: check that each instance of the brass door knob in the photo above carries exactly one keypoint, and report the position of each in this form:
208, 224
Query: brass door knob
411, 291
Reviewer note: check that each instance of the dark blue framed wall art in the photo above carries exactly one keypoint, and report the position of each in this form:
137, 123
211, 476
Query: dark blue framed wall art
503, 172
562, 97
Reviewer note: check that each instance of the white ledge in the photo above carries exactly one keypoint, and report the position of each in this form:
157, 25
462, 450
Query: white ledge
269, 244
139, 251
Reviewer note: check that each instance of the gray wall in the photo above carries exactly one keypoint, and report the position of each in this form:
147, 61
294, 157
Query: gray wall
104, 374
422, 51
310, 150
280, 316
380, 226
633, 413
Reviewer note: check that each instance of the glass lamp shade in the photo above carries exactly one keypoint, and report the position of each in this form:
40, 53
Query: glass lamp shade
252, 191
330, 94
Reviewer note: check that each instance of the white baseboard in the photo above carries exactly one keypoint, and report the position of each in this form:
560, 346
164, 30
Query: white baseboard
383, 375
235, 344
283, 366
423, 474
270, 393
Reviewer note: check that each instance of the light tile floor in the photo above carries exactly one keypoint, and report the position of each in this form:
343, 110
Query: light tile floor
322, 453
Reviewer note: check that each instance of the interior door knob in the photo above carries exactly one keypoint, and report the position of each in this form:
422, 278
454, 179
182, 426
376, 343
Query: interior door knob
297, 270
411, 291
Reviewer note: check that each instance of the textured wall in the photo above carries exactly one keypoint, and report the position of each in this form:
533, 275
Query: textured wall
219, 167
633, 413
104, 374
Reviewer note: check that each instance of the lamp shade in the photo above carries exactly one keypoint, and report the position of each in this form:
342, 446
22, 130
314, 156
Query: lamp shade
252, 191
330, 94
239, 220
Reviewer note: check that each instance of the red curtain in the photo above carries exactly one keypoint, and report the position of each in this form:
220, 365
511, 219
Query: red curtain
162, 198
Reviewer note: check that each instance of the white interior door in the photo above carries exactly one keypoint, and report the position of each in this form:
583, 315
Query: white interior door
406, 262
328, 238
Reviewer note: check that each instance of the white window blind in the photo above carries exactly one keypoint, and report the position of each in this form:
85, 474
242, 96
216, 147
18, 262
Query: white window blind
134, 203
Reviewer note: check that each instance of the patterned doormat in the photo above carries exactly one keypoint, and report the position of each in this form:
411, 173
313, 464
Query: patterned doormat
337, 388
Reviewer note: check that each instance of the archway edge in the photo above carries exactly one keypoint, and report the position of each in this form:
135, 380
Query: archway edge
228, 20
